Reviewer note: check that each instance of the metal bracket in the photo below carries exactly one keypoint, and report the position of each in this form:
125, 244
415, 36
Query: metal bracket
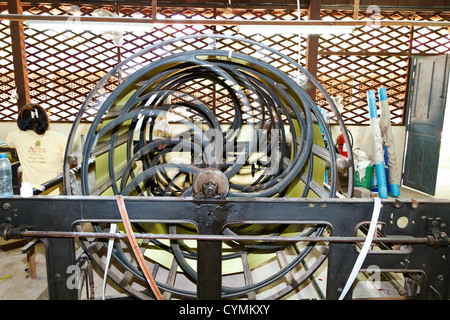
8, 231
429, 256
210, 183
438, 237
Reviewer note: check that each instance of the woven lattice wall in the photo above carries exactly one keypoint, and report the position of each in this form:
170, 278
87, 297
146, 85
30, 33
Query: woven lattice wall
7, 86
64, 66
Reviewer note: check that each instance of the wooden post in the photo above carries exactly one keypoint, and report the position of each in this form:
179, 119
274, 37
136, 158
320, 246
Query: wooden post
312, 48
31, 257
408, 69
355, 10
154, 10
19, 54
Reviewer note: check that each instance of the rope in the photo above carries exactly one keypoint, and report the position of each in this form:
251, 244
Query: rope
135, 247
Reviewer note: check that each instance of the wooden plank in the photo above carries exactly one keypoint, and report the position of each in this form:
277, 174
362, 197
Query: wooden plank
171, 278
6, 245
367, 53
247, 275
328, 2
440, 3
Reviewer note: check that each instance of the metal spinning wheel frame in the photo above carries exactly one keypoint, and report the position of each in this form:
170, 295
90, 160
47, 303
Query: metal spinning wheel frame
263, 97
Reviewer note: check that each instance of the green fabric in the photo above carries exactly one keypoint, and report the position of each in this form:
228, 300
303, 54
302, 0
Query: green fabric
367, 180
229, 266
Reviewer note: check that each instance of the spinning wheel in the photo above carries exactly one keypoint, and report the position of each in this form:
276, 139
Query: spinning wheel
158, 135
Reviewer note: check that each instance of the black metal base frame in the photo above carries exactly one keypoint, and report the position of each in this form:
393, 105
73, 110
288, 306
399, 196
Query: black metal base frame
421, 226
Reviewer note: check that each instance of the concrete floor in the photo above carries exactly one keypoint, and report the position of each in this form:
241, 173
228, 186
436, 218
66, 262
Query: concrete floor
15, 281
16, 284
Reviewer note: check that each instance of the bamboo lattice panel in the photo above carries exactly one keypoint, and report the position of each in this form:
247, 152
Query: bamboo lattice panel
64, 65
371, 57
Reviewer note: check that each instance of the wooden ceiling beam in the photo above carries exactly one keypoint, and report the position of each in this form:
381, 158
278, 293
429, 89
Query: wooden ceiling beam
404, 5
360, 22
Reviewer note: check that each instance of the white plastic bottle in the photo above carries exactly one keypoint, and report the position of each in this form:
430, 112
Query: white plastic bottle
6, 187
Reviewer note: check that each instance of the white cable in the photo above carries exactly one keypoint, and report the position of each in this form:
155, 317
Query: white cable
113, 229
365, 249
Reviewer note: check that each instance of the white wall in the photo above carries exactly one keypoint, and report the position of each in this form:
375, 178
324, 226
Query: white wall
362, 137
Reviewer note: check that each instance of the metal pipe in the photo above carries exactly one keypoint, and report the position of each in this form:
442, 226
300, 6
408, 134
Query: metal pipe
68, 234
